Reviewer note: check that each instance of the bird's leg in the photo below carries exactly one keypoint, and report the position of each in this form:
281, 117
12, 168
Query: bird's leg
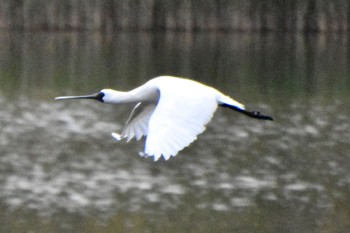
253, 114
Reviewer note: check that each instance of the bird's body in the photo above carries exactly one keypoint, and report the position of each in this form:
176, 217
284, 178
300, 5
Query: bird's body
170, 111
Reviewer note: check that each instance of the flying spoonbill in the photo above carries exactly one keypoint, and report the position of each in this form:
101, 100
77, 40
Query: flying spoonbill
170, 111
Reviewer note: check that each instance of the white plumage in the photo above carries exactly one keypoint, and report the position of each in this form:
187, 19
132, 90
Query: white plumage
170, 111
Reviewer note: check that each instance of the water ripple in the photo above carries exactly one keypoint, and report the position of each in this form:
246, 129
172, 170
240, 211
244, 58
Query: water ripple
59, 156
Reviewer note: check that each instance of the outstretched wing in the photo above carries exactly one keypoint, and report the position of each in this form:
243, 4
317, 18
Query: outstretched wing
183, 110
137, 124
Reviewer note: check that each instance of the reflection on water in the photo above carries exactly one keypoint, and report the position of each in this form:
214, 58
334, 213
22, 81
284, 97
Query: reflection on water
61, 169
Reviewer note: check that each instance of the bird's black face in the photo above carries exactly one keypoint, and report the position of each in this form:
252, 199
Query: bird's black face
99, 96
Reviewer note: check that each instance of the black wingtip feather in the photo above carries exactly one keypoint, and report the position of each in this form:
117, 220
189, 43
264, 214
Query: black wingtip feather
253, 114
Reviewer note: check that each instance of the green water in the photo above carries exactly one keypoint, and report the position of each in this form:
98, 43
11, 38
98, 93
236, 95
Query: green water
61, 171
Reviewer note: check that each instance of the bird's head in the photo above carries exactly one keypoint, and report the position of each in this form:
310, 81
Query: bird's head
103, 96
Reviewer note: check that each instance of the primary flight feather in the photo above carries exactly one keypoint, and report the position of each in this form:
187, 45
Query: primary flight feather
169, 111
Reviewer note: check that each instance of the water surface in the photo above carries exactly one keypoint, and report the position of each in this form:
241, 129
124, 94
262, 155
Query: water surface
61, 171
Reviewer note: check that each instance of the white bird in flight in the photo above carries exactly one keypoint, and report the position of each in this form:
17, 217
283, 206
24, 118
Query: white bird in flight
170, 111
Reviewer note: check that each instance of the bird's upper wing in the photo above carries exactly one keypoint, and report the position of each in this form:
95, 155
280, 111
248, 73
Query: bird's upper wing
137, 124
182, 112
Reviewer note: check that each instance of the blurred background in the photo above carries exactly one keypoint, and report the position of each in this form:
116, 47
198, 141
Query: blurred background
61, 171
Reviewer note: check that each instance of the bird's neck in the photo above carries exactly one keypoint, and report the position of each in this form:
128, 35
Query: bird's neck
119, 97
137, 95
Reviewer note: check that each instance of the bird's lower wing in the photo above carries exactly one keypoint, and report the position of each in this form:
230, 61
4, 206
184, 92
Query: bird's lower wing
181, 114
137, 124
